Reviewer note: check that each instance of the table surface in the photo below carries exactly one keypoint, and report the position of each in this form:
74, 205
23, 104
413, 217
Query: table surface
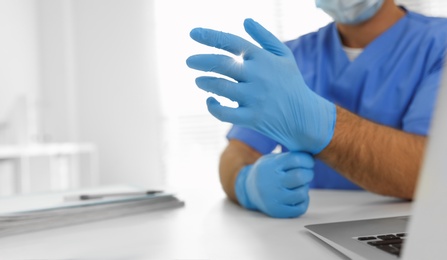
209, 226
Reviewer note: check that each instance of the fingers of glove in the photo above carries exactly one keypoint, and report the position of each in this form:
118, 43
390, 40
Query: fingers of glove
265, 38
293, 197
221, 87
293, 160
217, 63
224, 41
237, 116
296, 178
287, 211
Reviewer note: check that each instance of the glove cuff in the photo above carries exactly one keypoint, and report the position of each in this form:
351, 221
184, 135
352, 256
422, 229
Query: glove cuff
241, 191
329, 115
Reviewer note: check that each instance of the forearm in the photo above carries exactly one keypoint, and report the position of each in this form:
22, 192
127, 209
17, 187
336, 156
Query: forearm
378, 158
235, 156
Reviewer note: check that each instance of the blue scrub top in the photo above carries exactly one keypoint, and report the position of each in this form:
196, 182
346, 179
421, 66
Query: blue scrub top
393, 82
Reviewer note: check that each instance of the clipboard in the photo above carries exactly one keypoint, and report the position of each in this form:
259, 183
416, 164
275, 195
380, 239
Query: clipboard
83, 211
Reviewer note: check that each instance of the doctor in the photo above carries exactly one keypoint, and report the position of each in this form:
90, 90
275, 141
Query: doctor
350, 104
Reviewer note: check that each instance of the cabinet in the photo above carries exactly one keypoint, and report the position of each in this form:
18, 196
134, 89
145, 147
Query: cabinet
52, 166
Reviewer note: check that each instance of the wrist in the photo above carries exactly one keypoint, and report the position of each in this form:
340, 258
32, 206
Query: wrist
344, 126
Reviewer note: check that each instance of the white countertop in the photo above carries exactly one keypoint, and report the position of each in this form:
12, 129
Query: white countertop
208, 227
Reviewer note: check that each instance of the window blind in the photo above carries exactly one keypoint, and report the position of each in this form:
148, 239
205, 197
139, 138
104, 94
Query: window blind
427, 7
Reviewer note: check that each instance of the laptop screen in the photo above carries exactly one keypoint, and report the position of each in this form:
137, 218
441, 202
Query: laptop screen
429, 218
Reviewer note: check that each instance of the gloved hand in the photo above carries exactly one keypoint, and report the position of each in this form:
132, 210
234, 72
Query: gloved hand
277, 184
272, 95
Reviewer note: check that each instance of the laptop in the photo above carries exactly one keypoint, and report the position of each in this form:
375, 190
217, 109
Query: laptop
419, 236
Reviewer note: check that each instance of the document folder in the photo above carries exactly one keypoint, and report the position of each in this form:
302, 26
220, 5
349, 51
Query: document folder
71, 213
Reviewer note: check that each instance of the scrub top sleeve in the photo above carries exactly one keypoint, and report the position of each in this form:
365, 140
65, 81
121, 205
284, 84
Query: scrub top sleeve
419, 114
255, 140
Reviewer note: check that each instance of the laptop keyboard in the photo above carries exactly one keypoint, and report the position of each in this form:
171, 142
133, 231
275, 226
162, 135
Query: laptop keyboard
390, 243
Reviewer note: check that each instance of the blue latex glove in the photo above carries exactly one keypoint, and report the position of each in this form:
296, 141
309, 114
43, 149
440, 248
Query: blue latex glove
272, 95
277, 184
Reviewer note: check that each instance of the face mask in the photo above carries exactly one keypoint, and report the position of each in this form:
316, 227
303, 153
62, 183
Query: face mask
350, 11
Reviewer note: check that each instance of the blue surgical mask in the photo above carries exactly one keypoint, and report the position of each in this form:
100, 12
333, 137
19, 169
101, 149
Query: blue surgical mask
350, 11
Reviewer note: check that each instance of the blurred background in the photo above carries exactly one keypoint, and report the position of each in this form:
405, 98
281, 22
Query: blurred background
97, 92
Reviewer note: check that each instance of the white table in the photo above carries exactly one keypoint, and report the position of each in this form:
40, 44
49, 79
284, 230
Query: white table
207, 227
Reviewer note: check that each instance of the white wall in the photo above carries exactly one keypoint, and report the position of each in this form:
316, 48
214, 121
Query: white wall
117, 88
88, 72
58, 100
19, 73
19, 76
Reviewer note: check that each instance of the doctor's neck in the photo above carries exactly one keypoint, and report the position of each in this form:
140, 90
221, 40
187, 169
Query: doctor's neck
360, 35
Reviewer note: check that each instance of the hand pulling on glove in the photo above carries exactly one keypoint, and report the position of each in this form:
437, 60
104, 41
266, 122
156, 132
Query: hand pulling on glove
272, 96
